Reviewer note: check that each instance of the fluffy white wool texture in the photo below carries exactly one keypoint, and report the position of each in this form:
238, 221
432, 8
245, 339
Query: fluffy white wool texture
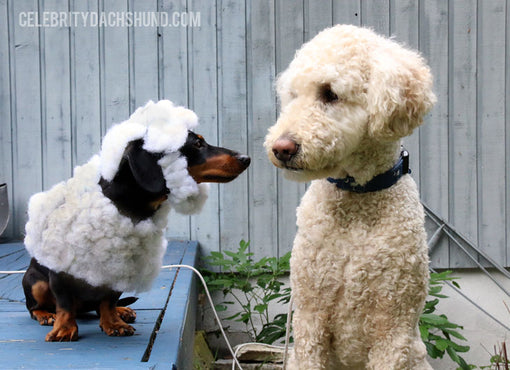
74, 228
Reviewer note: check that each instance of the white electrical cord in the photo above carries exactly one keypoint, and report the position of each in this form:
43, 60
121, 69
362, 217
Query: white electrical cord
234, 354
12, 272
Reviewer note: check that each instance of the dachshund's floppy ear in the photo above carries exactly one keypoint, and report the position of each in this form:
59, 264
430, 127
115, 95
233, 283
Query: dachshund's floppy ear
145, 168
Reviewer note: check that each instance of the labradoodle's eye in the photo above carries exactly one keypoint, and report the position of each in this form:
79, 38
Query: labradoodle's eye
326, 95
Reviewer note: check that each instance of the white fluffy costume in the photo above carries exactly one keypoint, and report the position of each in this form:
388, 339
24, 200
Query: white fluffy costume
359, 266
74, 228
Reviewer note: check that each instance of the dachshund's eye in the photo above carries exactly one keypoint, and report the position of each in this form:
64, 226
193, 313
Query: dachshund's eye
198, 144
326, 95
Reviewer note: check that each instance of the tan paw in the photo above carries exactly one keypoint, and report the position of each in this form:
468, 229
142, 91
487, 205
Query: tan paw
44, 317
126, 314
118, 329
63, 334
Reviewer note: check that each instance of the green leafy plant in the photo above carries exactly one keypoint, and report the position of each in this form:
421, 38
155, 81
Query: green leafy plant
254, 285
437, 332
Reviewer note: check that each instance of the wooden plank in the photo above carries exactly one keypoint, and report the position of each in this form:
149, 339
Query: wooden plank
173, 80
143, 57
462, 126
186, 287
26, 120
261, 115
85, 86
56, 96
347, 12
318, 15
404, 18
491, 127
232, 120
507, 139
290, 29
6, 46
289, 38
173, 54
376, 15
434, 135
7, 249
11, 306
116, 68
203, 95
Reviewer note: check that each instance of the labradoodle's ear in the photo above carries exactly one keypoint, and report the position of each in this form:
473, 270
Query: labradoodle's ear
399, 93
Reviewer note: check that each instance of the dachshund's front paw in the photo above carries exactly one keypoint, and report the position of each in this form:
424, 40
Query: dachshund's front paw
65, 328
64, 333
126, 314
117, 329
44, 317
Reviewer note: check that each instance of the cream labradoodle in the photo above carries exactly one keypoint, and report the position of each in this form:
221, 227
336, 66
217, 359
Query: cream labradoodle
359, 267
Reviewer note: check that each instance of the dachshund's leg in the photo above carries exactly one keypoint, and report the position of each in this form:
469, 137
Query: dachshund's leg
39, 299
65, 328
110, 320
45, 300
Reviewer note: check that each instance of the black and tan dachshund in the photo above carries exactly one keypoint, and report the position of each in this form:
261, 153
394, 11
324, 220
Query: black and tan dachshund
137, 190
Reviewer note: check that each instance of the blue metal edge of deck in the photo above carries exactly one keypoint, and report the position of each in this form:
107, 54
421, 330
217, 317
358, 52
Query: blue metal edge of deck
172, 300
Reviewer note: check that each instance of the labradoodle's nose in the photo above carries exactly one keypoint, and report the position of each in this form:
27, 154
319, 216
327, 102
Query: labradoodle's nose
284, 149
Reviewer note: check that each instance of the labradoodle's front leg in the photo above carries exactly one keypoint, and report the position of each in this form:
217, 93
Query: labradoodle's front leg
312, 340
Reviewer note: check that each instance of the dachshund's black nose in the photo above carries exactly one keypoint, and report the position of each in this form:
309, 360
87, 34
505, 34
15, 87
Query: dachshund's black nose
284, 149
245, 160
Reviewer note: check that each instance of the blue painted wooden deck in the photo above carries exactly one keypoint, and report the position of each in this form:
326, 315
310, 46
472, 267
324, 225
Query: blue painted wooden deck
165, 314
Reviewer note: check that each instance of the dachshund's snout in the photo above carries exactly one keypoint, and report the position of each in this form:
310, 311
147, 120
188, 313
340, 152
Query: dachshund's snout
284, 149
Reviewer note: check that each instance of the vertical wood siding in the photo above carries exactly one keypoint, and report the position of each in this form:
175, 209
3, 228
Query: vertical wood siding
61, 88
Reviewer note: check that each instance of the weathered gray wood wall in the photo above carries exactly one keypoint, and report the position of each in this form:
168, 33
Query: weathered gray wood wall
62, 87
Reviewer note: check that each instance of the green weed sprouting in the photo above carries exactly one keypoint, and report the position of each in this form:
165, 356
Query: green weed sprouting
254, 285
